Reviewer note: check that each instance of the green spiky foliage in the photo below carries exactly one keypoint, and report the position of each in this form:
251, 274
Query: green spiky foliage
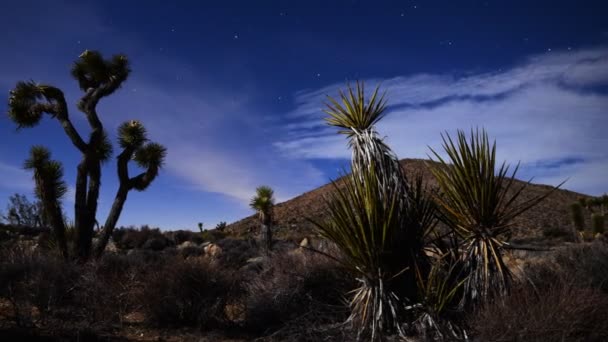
97, 78
263, 203
578, 219
377, 221
479, 204
597, 223
50, 189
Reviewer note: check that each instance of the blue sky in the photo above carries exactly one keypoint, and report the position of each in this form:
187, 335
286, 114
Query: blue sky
235, 89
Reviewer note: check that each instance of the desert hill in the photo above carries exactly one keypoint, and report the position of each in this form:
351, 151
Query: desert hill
291, 216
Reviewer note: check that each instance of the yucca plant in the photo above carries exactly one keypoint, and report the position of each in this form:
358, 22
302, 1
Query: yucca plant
263, 203
375, 220
479, 203
50, 189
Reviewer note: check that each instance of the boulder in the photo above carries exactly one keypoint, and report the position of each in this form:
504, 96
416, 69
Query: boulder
187, 244
212, 250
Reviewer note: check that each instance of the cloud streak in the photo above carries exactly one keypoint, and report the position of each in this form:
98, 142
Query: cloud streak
547, 110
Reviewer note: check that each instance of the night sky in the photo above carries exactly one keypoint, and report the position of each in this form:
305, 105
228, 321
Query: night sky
235, 89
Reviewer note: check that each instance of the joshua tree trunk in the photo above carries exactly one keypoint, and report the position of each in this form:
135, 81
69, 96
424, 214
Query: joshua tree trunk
266, 234
56, 218
108, 227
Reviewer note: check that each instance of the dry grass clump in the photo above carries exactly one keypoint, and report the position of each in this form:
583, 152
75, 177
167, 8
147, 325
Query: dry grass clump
563, 299
297, 296
187, 293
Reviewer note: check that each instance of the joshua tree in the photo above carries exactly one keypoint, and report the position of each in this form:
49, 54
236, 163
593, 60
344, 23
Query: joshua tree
200, 227
97, 78
263, 202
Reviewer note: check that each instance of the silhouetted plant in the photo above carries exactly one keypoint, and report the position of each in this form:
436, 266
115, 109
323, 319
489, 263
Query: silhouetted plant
20, 211
263, 203
221, 226
97, 78
597, 223
578, 219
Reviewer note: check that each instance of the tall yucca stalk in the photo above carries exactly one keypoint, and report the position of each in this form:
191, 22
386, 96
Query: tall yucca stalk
373, 219
479, 203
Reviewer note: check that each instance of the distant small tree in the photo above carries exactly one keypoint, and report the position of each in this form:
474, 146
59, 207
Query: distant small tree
220, 226
20, 211
200, 226
263, 203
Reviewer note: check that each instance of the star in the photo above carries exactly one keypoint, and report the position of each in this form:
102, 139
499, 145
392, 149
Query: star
78, 42
282, 14
318, 75
403, 14
236, 36
172, 29
549, 50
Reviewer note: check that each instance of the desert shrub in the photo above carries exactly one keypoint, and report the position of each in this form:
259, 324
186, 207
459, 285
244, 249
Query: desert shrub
28, 279
561, 312
558, 232
586, 265
130, 238
562, 298
212, 235
191, 251
181, 236
295, 295
185, 293
236, 252
70, 296
155, 244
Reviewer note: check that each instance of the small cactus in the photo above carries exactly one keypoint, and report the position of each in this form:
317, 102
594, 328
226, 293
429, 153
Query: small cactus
597, 223
200, 226
578, 220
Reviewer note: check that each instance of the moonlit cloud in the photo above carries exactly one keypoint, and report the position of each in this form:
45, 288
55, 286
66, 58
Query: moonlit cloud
545, 111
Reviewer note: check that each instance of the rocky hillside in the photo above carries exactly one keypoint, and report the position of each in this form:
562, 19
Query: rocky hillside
291, 216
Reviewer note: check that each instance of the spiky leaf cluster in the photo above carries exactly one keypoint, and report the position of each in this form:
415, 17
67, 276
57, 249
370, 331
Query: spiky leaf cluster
263, 201
93, 71
479, 204
365, 221
104, 150
24, 107
352, 113
132, 134
48, 174
150, 156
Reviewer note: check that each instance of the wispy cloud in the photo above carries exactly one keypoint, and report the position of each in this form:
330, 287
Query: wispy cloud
15, 178
549, 109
